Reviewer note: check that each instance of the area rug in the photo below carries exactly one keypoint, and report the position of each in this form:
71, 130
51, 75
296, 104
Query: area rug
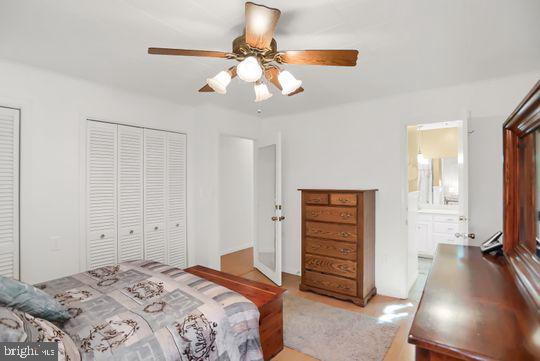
332, 334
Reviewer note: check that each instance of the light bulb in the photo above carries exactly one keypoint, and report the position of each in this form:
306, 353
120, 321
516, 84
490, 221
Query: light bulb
249, 69
261, 92
288, 82
219, 82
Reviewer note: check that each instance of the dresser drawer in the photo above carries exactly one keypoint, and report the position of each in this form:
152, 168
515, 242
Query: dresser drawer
330, 283
341, 232
343, 199
331, 248
331, 214
316, 198
334, 266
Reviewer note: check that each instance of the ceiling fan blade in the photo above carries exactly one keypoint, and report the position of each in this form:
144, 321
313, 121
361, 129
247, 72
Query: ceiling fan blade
188, 52
320, 57
297, 91
261, 22
272, 75
207, 89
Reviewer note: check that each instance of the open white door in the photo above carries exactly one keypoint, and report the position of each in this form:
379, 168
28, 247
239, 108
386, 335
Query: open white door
463, 236
267, 255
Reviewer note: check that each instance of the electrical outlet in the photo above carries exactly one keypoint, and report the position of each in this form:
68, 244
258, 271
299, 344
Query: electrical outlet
55, 243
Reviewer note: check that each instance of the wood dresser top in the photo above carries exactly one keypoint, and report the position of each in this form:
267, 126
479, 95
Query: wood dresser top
336, 190
472, 309
257, 292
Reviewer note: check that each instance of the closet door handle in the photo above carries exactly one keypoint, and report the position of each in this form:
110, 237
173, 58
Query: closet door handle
156, 228
177, 224
102, 236
131, 232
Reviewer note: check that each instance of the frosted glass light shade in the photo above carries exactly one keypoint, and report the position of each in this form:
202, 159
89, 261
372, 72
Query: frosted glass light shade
220, 82
249, 69
421, 159
261, 92
288, 82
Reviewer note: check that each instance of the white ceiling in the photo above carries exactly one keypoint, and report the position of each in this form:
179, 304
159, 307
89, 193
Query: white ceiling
404, 45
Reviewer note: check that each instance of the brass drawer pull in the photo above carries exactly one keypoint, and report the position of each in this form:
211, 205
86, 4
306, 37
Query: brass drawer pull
345, 251
343, 200
344, 234
314, 214
345, 215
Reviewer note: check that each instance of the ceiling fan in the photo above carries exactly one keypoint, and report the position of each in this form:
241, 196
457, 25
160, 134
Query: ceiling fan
256, 50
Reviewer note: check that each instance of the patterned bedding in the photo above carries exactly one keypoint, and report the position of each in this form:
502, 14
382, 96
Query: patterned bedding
145, 310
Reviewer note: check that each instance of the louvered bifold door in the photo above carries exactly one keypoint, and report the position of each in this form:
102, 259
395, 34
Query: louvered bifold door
130, 193
9, 192
176, 199
101, 185
155, 246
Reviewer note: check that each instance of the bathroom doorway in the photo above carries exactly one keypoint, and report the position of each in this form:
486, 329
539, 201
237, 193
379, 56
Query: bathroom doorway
437, 192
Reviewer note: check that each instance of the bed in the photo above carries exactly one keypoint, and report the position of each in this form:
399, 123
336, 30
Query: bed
144, 310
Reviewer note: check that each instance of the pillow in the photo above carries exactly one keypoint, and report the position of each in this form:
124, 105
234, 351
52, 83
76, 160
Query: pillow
19, 326
29, 299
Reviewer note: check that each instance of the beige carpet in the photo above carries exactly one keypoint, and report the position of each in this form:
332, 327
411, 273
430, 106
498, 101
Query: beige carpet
332, 334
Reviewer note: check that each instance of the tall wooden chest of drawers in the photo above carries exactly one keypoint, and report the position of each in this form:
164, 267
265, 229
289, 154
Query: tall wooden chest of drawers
338, 243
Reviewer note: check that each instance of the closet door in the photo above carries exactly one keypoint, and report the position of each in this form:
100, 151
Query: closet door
155, 162
9, 192
130, 193
101, 185
176, 199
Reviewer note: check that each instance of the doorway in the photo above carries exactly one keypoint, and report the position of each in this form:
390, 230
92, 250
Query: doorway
437, 193
236, 204
250, 207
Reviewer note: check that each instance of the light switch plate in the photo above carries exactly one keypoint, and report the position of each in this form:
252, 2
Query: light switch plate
55, 243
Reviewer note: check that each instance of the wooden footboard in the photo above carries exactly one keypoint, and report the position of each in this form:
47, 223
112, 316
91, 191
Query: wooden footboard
267, 298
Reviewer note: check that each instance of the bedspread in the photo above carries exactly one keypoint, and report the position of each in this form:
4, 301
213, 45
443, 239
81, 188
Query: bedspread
144, 310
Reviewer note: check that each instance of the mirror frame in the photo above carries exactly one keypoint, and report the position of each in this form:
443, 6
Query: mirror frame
520, 193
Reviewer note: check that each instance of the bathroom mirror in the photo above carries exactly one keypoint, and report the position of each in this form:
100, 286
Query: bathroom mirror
433, 165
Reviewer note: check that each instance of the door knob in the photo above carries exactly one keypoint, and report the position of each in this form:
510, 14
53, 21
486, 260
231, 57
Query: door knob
278, 219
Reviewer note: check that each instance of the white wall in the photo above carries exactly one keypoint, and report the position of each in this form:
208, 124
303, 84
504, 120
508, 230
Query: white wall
362, 145
53, 111
235, 193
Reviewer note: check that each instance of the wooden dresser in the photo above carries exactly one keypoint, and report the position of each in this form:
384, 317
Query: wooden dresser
338, 243
472, 309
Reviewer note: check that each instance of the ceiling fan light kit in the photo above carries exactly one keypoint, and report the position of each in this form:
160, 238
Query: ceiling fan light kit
261, 91
220, 82
249, 69
258, 57
288, 82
